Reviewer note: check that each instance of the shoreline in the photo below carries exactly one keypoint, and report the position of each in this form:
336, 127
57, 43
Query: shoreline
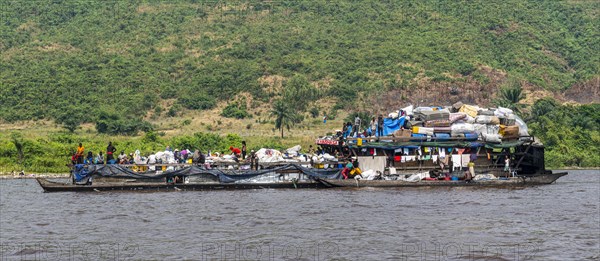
35, 175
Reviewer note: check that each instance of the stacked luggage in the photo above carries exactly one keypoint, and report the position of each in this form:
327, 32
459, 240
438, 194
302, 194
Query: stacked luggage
467, 122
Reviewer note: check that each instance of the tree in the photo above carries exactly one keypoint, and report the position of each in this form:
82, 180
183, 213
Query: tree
510, 96
284, 115
71, 118
298, 92
17, 140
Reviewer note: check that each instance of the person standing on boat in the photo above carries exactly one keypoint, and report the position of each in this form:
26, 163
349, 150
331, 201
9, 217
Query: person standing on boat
253, 160
357, 123
380, 125
373, 127
109, 153
243, 150
506, 165
79, 154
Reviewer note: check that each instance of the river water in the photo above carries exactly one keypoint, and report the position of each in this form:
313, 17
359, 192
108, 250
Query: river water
554, 222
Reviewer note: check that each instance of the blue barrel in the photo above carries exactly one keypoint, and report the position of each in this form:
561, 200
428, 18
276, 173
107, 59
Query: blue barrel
416, 135
442, 136
471, 136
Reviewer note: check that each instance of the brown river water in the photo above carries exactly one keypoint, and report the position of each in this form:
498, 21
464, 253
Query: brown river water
554, 222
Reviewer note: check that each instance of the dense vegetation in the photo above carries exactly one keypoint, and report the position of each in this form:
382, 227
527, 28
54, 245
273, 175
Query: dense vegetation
121, 64
571, 134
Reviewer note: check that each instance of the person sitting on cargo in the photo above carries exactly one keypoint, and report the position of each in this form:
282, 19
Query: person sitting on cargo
311, 150
195, 157
184, 156
177, 155
355, 171
235, 151
202, 158
99, 158
122, 158
73, 157
346, 170
89, 159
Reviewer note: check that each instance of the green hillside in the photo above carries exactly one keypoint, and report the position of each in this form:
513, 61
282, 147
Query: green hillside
121, 65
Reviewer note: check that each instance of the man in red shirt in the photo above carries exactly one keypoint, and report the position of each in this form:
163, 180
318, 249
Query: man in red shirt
235, 151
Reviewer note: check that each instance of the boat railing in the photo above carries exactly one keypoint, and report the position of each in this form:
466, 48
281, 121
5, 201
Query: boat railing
527, 138
227, 164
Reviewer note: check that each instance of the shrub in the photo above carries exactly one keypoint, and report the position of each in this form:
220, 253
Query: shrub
314, 112
197, 101
235, 110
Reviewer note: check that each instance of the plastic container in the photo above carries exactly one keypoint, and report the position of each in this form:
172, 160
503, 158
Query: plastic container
471, 136
442, 136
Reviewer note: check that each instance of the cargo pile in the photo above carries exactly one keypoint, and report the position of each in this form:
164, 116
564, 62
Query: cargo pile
492, 125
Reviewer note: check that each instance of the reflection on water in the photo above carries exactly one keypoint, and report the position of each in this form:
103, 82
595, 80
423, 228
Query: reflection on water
555, 222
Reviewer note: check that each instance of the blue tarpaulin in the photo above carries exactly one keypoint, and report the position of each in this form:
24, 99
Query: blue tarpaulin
390, 125
80, 172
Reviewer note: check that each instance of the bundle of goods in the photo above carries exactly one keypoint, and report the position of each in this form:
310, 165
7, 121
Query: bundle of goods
432, 115
466, 121
437, 123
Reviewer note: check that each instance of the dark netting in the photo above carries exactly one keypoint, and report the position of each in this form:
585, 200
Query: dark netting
83, 172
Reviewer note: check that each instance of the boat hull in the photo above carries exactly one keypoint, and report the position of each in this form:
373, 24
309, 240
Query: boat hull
542, 179
50, 186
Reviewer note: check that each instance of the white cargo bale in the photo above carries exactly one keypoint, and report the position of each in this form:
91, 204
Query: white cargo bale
492, 138
503, 112
408, 110
462, 128
482, 119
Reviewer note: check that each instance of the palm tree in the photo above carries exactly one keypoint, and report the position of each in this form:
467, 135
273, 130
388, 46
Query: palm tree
284, 115
510, 98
